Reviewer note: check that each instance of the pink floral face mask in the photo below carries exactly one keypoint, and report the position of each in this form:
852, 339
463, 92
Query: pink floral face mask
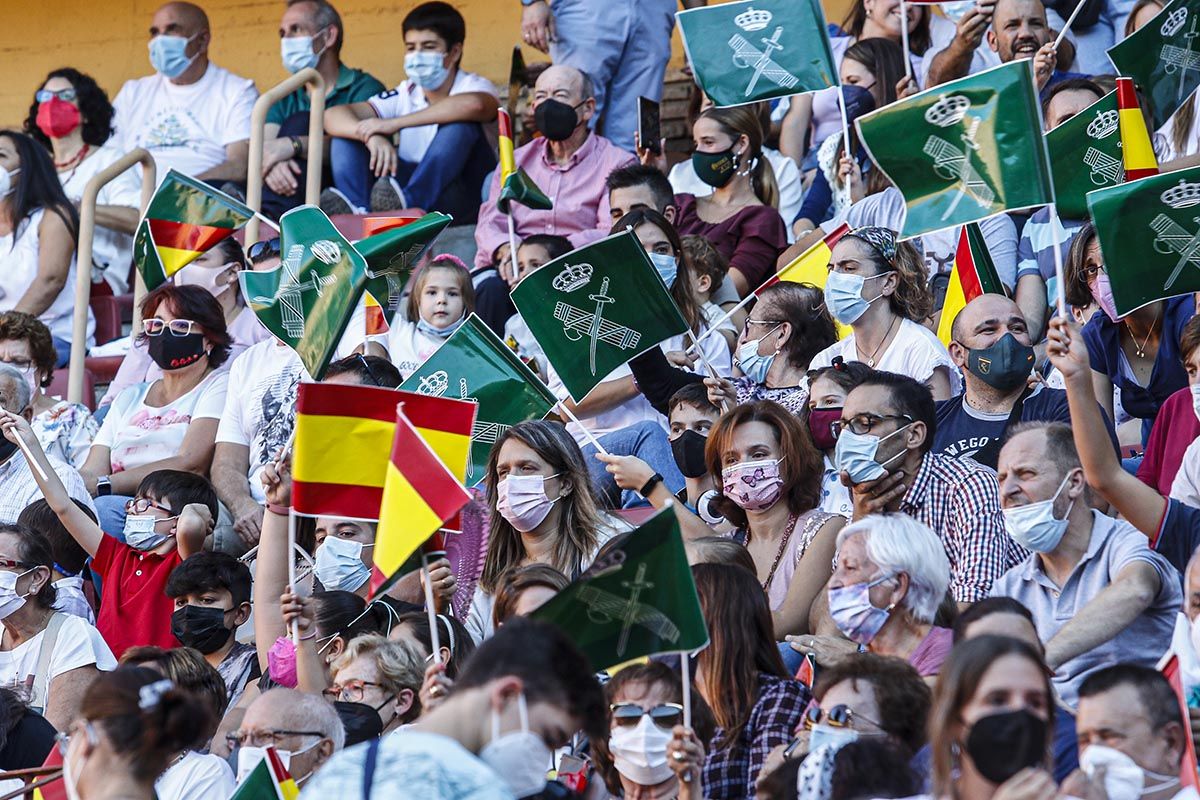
753, 485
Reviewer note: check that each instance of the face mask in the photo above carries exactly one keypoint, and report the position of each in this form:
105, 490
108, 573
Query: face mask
1102, 292
855, 455
843, 295
715, 169
556, 120
852, 612
339, 564
426, 69
6, 176
753, 485
213, 281
281, 662
71, 776
140, 534
640, 752
10, 601
361, 722
297, 53
520, 757
688, 450
440, 333
201, 627
56, 118
7, 448
1195, 388
1034, 526
175, 352
755, 366
667, 267
1001, 745
168, 55
1004, 366
820, 425
824, 735
522, 500
249, 757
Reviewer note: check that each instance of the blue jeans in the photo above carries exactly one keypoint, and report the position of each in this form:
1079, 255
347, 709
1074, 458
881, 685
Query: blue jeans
110, 514
447, 179
646, 440
62, 349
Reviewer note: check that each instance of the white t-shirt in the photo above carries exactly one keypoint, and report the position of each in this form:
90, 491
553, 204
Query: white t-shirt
184, 127
1186, 486
137, 434
528, 349
408, 347
408, 97
941, 33
1191, 143
78, 645
112, 251
684, 180
20, 260
196, 776
915, 351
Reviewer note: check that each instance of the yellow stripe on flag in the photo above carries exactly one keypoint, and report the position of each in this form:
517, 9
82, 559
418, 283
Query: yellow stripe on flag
508, 162
343, 450
405, 522
174, 259
452, 449
956, 301
1136, 151
812, 266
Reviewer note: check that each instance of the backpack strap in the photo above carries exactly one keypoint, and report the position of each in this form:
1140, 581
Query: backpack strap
41, 675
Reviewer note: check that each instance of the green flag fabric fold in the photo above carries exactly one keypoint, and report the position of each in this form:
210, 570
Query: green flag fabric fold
1085, 155
520, 188
392, 254
1163, 58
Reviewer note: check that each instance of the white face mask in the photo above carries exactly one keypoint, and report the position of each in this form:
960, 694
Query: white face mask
1123, 778
249, 756
10, 601
520, 757
522, 500
6, 187
1194, 625
640, 752
1195, 387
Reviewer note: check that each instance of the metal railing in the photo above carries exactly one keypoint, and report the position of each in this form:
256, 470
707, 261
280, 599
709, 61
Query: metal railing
83, 262
316, 141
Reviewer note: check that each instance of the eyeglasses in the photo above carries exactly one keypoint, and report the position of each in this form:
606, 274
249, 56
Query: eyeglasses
265, 249
140, 505
8, 563
862, 424
1090, 272
367, 366
840, 716
750, 322
351, 692
22, 364
63, 738
44, 95
178, 327
664, 715
269, 737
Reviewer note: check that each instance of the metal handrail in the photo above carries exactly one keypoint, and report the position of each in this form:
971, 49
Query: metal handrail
316, 141
83, 262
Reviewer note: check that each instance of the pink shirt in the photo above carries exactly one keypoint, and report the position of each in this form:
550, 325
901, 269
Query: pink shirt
577, 190
932, 651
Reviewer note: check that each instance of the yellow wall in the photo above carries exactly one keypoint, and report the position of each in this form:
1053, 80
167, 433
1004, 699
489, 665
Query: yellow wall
107, 38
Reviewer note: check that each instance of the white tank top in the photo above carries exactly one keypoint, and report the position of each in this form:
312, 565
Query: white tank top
20, 265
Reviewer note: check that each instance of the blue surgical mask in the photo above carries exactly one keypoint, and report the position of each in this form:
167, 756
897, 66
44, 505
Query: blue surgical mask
168, 55
1034, 526
667, 266
297, 53
855, 455
426, 69
140, 534
439, 333
837, 738
851, 610
843, 295
339, 564
755, 366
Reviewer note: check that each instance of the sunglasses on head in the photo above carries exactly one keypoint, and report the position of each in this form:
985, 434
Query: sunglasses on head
263, 250
664, 715
840, 716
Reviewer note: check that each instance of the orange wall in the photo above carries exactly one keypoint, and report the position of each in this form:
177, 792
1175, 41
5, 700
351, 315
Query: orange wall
107, 38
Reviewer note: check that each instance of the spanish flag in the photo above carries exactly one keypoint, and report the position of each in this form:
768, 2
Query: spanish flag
515, 185
811, 266
51, 786
185, 218
269, 780
344, 435
973, 274
376, 320
1136, 150
420, 494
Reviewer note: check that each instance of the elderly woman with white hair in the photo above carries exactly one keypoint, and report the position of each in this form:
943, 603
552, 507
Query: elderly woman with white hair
891, 574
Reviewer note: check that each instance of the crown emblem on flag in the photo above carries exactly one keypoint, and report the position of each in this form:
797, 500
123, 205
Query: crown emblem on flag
573, 276
753, 20
1104, 125
1185, 195
326, 251
1174, 22
434, 384
947, 111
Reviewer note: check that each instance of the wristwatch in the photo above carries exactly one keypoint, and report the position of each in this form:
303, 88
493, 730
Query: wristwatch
297, 147
103, 486
655, 480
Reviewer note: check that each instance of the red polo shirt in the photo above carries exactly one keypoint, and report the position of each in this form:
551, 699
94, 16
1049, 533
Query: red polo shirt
134, 607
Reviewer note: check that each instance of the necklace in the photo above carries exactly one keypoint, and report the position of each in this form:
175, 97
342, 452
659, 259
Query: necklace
1140, 349
871, 358
73, 160
787, 535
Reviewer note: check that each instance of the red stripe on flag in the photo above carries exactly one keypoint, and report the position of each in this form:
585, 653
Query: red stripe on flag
1134, 174
185, 236
445, 414
337, 499
329, 399
1127, 95
964, 262
504, 123
421, 468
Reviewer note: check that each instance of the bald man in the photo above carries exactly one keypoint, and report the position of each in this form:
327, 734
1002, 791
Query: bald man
192, 115
991, 346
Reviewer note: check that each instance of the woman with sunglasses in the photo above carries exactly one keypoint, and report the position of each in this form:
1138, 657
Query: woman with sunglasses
171, 422
645, 708
72, 118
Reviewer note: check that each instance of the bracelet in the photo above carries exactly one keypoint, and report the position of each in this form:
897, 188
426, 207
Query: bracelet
282, 511
648, 487
297, 148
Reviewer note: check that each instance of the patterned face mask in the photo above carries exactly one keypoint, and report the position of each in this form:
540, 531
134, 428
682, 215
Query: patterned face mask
753, 485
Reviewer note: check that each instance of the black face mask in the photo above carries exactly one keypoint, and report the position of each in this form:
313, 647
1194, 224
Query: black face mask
555, 120
201, 627
175, 352
7, 448
1001, 745
362, 722
1004, 366
688, 449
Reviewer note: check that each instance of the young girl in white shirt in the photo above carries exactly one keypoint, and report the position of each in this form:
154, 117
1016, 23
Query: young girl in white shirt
441, 300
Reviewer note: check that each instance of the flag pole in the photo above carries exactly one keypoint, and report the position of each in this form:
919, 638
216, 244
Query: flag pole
1055, 225
512, 242
745, 301
685, 677
846, 120
33, 464
268, 222
904, 39
1066, 27
291, 565
592, 440
431, 610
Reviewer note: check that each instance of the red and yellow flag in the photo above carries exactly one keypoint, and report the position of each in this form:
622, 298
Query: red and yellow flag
508, 163
376, 320
515, 185
811, 266
1136, 150
973, 274
269, 780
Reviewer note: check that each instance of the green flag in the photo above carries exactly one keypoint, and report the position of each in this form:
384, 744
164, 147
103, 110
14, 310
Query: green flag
637, 599
520, 188
392, 254
964, 150
596, 308
474, 364
1159, 211
1163, 58
1085, 154
758, 49
308, 299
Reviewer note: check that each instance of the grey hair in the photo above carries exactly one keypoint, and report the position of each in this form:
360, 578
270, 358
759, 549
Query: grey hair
898, 543
311, 712
324, 16
400, 665
23, 394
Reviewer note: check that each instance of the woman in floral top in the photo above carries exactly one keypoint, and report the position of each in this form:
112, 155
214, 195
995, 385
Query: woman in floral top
64, 429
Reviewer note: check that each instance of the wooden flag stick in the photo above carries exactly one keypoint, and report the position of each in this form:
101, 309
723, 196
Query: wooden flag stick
430, 609
291, 565
1070, 20
904, 39
1055, 226
592, 440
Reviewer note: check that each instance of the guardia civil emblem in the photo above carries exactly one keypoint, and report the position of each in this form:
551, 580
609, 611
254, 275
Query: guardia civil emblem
1171, 237
951, 160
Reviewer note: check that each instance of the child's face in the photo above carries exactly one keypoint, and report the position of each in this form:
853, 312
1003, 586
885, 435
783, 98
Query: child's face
530, 257
687, 417
348, 529
207, 598
441, 298
824, 393
159, 508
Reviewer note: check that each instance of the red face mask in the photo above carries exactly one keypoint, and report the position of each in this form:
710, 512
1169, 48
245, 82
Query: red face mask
820, 425
56, 118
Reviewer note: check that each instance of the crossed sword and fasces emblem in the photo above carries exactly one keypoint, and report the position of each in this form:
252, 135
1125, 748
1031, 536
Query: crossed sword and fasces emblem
747, 56
954, 164
605, 607
1171, 237
577, 323
483, 432
1184, 59
291, 291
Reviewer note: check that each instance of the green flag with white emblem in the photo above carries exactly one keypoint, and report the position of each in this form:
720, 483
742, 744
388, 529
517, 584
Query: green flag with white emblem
308, 299
596, 308
758, 49
963, 151
1163, 57
1085, 155
637, 599
392, 254
474, 364
1149, 233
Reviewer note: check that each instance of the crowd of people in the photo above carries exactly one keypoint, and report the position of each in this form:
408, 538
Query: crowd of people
962, 569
